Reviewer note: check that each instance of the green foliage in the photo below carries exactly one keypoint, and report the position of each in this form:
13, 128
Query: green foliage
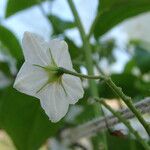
13, 6
126, 81
75, 52
142, 59
112, 12
123, 143
86, 115
129, 66
59, 25
23, 119
105, 49
130, 84
4, 67
8, 40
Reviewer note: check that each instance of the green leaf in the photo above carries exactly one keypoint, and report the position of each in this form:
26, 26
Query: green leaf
4, 67
13, 6
112, 12
128, 82
23, 119
59, 25
75, 52
122, 143
9, 40
143, 87
105, 49
142, 59
129, 66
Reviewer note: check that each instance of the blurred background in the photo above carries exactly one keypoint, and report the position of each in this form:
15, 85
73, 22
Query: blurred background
120, 43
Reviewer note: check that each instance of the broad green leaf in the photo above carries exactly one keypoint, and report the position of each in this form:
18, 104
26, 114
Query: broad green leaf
24, 120
9, 40
112, 12
59, 25
13, 6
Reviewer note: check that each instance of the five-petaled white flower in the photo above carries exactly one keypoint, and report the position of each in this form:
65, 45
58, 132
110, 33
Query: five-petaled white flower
39, 76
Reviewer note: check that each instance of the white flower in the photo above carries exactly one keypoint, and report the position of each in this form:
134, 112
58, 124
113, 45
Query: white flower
39, 75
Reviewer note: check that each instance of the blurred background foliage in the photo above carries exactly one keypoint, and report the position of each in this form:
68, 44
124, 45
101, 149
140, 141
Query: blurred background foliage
22, 117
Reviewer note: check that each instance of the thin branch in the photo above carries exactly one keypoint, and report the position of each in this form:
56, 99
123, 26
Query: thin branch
97, 125
117, 90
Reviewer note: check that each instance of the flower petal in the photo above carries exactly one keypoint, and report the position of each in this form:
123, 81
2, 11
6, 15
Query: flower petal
59, 50
34, 49
73, 87
30, 79
53, 101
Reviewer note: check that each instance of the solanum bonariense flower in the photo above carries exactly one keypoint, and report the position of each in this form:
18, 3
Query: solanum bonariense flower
40, 78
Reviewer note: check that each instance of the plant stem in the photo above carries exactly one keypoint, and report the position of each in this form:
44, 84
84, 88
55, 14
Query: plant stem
98, 125
63, 70
86, 47
118, 91
88, 57
128, 102
125, 122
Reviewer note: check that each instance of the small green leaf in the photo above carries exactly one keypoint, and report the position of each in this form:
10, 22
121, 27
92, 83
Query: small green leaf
13, 6
142, 59
75, 51
59, 25
129, 66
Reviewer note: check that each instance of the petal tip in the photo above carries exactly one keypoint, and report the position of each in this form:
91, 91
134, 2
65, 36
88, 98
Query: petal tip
15, 85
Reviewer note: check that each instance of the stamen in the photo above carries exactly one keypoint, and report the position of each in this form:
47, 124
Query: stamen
42, 87
39, 66
53, 61
63, 88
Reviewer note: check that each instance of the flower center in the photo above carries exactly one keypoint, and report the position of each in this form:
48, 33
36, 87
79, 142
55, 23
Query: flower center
54, 74
53, 71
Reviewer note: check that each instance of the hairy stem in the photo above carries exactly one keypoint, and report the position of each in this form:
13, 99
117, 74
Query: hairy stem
129, 103
63, 70
97, 125
118, 91
126, 123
